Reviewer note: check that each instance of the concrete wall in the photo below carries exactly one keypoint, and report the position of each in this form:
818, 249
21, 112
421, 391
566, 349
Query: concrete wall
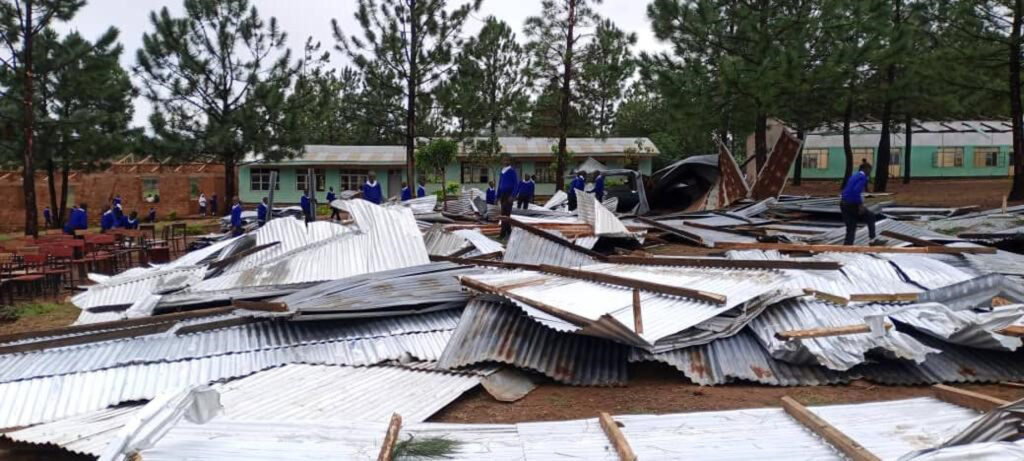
922, 165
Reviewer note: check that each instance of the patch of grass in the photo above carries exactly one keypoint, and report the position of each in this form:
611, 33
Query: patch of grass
195, 230
425, 448
30, 309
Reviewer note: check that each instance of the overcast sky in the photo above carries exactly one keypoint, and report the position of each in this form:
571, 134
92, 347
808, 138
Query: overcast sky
305, 18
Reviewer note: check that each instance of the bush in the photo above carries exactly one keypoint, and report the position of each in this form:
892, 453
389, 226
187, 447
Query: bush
172, 215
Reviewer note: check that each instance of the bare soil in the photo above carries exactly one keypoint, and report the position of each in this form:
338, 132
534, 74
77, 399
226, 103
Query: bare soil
63, 313
659, 389
986, 193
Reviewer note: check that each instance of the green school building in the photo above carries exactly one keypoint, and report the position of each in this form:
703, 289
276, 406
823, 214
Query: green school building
346, 167
957, 149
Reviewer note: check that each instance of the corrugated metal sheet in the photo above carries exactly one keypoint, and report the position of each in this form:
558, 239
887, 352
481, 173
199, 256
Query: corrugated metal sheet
740, 357
524, 247
956, 364
1003, 262
418, 205
493, 332
834, 352
483, 243
604, 222
290, 234
966, 327
170, 347
125, 291
977, 292
443, 243
926, 271
86, 434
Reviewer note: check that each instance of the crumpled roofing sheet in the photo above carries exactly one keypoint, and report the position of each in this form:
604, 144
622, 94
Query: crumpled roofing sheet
966, 327
492, 332
955, 364
604, 222
418, 205
926, 271
976, 292
608, 310
289, 234
124, 291
526, 248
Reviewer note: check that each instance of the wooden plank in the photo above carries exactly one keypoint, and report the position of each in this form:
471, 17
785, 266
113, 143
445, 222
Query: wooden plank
600, 277
89, 338
638, 322
883, 297
688, 236
834, 299
266, 306
119, 324
1012, 384
833, 436
485, 288
619, 442
827, 331
1012, 330
852, 248
547, 236
970, 399
726, 263
910, 239
387, 449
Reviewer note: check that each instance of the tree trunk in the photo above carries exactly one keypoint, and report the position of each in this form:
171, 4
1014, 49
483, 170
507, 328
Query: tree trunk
29, 169
1016, 111
798, 165
909, 130
412, 87
230, 180
563, 120
51, 184
761, 140
884, 143
847, 145
59, 216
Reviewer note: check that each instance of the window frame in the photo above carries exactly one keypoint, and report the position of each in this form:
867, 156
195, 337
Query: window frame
545, 172
474, 173
955, 156
817, 154
982, 155
352, 177
261, 177
301, 175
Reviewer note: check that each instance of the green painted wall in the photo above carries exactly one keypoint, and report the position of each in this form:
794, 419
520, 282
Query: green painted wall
921, 166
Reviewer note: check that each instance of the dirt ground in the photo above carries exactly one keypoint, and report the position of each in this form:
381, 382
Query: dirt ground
39, 315
656, 389
986, 193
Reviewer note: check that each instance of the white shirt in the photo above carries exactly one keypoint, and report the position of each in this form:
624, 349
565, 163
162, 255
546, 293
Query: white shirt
202, 200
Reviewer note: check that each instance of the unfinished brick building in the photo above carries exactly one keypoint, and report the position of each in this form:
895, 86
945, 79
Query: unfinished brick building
138, 180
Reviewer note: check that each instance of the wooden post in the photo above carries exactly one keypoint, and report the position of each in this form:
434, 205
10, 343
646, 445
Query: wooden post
833, 436
387, 449
611, 430
823, 332
969, 399
638, 322
1004, 204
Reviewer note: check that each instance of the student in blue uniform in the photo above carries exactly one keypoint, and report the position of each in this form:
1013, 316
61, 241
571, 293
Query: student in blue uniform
77, 219
525, 192
578, 183
406, 191
132, 222
107, 219
236, 217
371, 189
213, 204
151, 217
599, 186
492, 194
117, 200
331, 197
261, 212
47, 217
307, 210
851, 204
507, 183
421, 191
122, 220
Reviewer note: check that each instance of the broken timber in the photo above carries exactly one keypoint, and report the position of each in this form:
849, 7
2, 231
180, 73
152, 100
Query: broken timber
628, 282
387, 448
883, 297
910, 239
638, 322
833, 436
118, 324
267, 306
824, 332
1012, 330
964, 398
727, 263
852, 248
611, 430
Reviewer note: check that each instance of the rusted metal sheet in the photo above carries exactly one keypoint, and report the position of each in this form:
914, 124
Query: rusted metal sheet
772, 177
731, 185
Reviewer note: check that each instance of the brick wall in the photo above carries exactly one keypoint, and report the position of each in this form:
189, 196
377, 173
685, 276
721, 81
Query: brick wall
95, 189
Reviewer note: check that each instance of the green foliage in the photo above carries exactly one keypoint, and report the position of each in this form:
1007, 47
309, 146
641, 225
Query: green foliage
32, 309
608, 65
425, 448
437, 154
173, 216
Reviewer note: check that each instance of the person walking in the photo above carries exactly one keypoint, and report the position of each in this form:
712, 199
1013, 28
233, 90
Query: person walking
331, 197
421, 190
851, 204
236, 217
47, 217
305, 204
371, 189
262, 212
578, 183
492, 194
599, 187
507, 183
213, 204
406, 191
525, 192
202, 204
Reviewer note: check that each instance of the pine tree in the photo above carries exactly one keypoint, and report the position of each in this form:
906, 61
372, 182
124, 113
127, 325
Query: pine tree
608, 65
217, 78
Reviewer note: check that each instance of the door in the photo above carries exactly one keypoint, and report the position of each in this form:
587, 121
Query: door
394, 183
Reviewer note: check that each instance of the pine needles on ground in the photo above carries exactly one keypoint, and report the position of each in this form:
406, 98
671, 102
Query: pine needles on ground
425, 448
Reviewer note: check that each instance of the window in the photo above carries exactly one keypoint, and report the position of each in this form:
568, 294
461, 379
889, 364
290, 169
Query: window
302, 174
895, 155
151, 190
815, 159
861, 155
545, 172
475, 174
193, 188
352, 179
948, 157
986, 157
259, 179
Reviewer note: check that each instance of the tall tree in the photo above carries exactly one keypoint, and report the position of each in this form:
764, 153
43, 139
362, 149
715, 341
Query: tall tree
407, 46
217, 78
608, 66
557, 40
21, 21
325, 103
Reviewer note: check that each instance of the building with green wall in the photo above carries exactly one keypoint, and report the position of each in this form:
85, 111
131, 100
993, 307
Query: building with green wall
957, 149
346, 167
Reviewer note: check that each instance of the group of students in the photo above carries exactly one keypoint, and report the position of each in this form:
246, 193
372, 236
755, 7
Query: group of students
371, 192
113, 217
510, 189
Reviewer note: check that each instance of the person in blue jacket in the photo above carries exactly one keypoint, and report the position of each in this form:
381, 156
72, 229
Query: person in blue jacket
492, 194
525, 193
421, 191
406, 191
262, 211
47, 217
851, 204
236, 217
107, 219
78, 219
578, 183
599, 186
371, 189
304, 203
132, 221
507, 182
117, 200
331, 197
122, 220
151, 217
